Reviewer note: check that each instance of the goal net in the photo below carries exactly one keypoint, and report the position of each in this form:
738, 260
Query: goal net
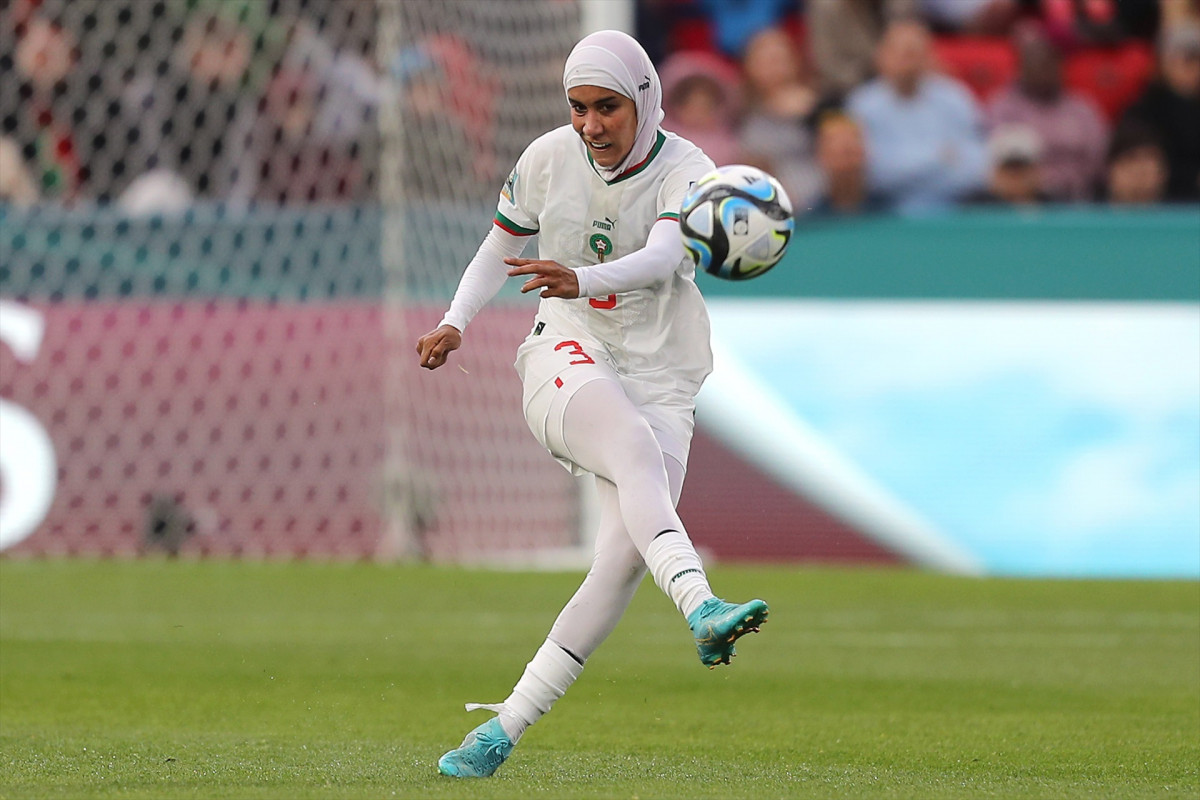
223, 225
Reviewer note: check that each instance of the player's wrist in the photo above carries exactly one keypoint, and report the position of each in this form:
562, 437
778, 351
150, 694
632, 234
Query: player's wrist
455, 322
583, 280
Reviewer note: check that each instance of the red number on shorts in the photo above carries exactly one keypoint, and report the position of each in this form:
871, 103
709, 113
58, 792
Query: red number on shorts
575, 350
603, 303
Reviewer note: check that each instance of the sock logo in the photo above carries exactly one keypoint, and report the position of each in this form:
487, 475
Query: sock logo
681, 574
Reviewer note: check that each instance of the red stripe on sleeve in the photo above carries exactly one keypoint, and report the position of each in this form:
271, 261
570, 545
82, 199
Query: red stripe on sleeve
510, 230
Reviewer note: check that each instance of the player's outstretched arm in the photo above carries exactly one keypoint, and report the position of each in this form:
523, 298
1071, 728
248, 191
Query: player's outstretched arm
647, 267
480, 281
437, 345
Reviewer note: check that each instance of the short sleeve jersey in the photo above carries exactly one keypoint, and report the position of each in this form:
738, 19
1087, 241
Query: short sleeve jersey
659, 333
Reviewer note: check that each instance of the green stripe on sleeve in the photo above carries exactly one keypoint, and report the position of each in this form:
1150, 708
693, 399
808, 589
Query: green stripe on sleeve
512, 227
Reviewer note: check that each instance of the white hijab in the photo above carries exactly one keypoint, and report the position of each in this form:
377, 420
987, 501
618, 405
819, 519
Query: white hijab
614, 60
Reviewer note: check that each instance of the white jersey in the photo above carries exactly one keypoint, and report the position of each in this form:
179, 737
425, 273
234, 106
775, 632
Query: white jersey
658, 334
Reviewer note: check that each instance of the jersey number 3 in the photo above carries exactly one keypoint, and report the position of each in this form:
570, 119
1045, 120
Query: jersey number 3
603, 303
575, 350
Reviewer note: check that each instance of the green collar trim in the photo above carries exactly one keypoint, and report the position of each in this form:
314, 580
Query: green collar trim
659, 140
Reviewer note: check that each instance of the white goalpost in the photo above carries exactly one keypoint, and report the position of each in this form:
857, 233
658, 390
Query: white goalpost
470, 83
233, 218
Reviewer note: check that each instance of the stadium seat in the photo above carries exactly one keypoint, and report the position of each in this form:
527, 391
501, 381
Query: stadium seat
1113, 77
985, 64
698, 34
693, 34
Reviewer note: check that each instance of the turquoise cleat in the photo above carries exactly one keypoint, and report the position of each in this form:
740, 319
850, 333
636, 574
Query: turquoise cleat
480, 754
717, 625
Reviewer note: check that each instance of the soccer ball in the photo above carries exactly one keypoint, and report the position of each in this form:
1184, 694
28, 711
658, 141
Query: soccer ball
736, 222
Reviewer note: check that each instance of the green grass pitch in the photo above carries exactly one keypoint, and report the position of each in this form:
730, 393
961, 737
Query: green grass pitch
303, 680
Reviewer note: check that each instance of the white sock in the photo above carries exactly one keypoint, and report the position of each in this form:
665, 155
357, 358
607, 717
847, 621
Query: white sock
546, 678
678, 571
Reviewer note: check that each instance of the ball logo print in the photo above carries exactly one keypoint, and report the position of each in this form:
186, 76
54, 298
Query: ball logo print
736, 222
741, 221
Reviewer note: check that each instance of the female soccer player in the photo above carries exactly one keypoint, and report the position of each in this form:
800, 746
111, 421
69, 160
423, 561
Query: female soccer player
611, 368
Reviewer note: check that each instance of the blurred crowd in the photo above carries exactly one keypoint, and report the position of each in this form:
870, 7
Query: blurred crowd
156, 105
858, 106
918, 106
153, 105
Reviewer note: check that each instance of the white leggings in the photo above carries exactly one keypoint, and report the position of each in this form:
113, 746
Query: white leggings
604, 434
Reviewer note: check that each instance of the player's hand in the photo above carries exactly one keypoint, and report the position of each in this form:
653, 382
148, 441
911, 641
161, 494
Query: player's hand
435, 346
551, 277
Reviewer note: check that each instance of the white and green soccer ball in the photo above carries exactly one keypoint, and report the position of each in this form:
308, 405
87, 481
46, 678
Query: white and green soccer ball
736, 222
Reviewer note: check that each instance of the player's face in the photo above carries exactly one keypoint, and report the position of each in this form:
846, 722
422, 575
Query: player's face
606, 121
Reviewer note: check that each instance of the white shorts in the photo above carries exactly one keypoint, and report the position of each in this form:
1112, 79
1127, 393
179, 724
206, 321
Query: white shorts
553, 367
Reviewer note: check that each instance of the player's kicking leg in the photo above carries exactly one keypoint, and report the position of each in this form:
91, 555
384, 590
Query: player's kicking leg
716, 625
628, 456
636, 458
480, 754
586, 620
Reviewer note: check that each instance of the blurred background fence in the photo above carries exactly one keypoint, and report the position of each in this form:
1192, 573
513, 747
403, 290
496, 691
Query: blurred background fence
223, 224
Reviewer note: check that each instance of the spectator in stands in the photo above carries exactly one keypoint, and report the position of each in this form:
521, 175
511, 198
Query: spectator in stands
1016, 174
971, 17
842, 157
1177, 12
1072, 130
194, 117
439, 160
16, 182
1171, 106
1102, 23
776, 133
469, 94
699, 100
1136, 166
656, 22
42, 125
924, 131
843, 36
1074, 23
348, 85
736, 22
290, 161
